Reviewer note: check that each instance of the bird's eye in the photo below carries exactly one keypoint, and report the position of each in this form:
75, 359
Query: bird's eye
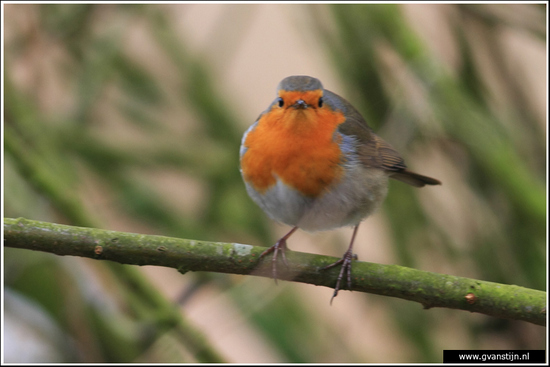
321, 102
281, 102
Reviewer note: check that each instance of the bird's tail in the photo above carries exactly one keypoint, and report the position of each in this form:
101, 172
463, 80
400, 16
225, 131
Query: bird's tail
414, 179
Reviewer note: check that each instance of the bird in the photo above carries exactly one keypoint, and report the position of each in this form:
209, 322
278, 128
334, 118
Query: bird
310, 161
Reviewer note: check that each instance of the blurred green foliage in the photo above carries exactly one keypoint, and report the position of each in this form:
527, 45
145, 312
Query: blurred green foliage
93, 160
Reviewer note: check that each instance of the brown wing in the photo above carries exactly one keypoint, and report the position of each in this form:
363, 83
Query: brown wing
377, 153
373, 151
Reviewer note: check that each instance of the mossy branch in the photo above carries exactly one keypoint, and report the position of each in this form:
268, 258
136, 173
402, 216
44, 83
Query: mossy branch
429, 289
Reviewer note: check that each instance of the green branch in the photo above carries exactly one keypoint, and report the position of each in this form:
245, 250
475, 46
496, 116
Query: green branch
429, 289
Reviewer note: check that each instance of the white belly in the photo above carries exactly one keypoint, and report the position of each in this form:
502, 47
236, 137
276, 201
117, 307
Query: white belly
357, 195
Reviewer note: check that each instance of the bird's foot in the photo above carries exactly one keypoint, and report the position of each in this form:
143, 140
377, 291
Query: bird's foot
345, 262
280, 246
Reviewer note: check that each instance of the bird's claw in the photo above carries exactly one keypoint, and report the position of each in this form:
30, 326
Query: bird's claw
345, 261
279, 246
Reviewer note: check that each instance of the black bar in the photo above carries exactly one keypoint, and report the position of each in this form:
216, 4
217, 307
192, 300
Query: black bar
494, 356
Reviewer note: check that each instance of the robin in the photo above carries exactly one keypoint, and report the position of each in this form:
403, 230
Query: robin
311, 161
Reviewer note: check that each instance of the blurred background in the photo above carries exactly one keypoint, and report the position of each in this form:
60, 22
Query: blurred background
129, 118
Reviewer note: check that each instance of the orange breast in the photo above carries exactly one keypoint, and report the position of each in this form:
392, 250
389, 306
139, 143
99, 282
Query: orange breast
296, 145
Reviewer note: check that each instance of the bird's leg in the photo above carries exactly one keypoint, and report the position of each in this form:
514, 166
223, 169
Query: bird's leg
346, 265
278, 246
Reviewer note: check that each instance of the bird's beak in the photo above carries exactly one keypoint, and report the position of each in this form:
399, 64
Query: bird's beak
300, 104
